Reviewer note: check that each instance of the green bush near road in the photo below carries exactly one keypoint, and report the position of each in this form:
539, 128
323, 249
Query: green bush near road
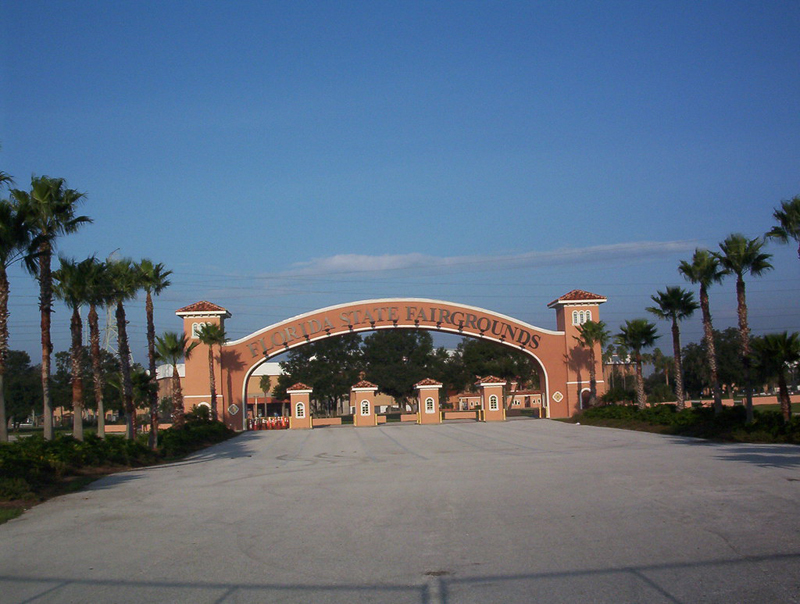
769, 426
33, 468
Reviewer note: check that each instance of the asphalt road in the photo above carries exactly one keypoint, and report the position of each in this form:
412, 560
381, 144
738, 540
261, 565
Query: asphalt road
523, 511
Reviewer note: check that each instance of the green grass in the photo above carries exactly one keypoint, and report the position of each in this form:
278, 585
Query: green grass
7, 514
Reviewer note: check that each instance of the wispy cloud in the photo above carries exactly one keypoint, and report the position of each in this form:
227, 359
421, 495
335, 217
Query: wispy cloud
379, 264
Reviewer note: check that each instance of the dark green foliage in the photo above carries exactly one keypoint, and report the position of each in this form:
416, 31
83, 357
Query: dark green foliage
396, 359
730, 425
32, 463
330, 366
197, 432
23, 386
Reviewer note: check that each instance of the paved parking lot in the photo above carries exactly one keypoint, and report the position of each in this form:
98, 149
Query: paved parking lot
523, 511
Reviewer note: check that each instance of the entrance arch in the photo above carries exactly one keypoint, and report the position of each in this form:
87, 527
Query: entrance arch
563, 365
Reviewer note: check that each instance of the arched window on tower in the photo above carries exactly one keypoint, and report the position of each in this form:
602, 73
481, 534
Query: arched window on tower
493, 403
364, 407
300, 410
429, 405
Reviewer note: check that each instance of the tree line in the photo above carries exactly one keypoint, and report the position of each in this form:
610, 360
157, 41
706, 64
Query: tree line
395, 360
770, 356
31, 223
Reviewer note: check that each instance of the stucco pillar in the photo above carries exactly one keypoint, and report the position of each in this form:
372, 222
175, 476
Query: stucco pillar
299, 407
492, 409
363, 395
428, 409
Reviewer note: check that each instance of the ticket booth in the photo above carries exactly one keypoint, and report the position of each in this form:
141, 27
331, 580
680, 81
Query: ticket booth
300, 407
492, 408
363, 397
428, 394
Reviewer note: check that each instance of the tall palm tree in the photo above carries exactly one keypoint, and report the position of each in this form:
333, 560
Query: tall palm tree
705, 271
99, 292
154, 281
51, 210
774, 353
591, 335
212, 334
15, 238
636, 335
662, 362
788, 227
739, 255
171, 348
126, 284
675, 304
71, 280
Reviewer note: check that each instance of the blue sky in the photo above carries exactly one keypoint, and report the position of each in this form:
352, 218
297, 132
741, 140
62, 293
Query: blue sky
284, 156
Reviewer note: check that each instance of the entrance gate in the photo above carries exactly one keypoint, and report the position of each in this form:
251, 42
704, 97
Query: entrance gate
563, 365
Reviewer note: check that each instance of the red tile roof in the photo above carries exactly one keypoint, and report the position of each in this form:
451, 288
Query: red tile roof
428, 382
577, 295
298, 386
491, 379
364, 384
202, 307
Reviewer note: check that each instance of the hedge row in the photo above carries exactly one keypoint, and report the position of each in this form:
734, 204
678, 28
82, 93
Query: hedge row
32, 463
768, 426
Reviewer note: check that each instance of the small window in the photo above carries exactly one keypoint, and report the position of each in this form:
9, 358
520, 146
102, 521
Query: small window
196, 327
493, 406
364, 407
575, 319
300, 410
429, 405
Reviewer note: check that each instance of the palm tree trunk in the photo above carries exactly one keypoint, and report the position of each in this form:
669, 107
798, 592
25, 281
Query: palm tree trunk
641, 401
786, 401
45, 308
592, 379
151, 359
676, 348
177, 399
711, 353
212, 382
4, 289
744, 336
125, 369
97, 374
76, 329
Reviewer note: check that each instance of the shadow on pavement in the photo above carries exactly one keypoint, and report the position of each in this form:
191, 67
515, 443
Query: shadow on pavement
655, 582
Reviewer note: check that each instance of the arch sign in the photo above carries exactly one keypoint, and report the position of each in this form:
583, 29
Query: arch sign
563, 365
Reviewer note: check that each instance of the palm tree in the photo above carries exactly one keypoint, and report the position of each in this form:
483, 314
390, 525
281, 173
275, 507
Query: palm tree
212, 334
99, 292
662, 362
675, 304
774, 353
126, 284
788, 217
739, 255
154, 281
171, 348
51, 210
636, 335
705, 270
15, 238
591, 335
71, 287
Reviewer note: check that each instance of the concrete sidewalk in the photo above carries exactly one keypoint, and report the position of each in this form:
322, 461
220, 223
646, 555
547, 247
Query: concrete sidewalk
523, 511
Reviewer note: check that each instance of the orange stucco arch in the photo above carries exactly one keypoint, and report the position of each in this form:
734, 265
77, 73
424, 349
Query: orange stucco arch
555, 352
